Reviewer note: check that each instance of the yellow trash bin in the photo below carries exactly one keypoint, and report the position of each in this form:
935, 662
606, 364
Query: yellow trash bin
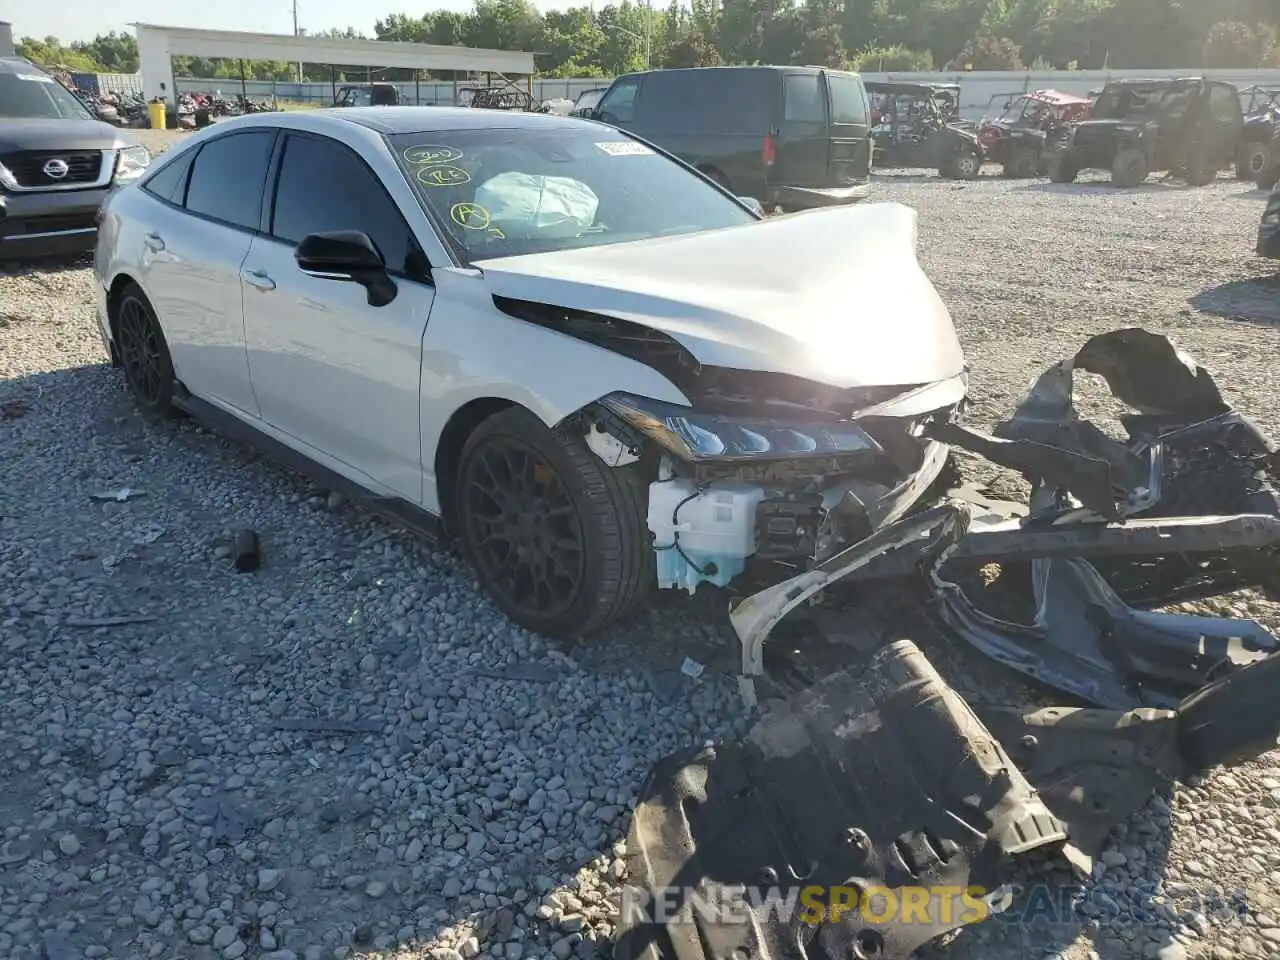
156, 111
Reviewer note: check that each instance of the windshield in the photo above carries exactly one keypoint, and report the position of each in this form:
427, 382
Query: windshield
1120, 101
589, 99
1000, 105
37, 96
507, 192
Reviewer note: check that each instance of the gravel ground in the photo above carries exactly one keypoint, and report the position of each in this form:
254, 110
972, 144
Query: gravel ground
352, 753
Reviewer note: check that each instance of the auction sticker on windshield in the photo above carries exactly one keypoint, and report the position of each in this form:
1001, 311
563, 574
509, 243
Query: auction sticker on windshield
624, 148
430, 153
34, 77
445, 175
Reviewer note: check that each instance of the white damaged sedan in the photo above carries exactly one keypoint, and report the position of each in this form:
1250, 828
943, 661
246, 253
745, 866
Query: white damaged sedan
591, 365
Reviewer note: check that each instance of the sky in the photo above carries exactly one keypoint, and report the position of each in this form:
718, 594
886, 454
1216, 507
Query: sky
84, 19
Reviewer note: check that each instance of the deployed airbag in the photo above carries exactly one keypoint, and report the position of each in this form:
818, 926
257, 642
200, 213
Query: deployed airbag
533, 207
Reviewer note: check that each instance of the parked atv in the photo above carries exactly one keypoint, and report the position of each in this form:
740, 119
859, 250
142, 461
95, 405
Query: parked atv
961, 152
1029, 130
910, 121
1261, 114
367, 95
1190, 127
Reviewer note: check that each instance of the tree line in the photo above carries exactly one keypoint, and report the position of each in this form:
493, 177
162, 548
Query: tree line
867, 35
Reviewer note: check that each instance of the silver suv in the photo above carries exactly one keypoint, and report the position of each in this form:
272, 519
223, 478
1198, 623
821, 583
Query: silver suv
57, 164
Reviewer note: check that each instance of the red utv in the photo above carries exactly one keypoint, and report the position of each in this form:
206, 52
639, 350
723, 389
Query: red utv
1023, 135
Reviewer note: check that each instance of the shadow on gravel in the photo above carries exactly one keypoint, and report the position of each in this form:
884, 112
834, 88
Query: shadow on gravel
1254, 301
45, 265
1129, 909
1252, 194
1105, 188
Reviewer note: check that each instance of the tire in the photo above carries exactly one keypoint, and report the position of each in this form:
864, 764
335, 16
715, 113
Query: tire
967, 165
1200, 173
144, 353
1270, 176
1021, 164
519, 485
1252, 159
1129, 168
1062, 169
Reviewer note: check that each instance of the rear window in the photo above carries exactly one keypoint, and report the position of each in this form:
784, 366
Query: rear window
712, 101
848, 98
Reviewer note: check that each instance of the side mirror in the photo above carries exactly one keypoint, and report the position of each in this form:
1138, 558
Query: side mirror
756, 206
347, 255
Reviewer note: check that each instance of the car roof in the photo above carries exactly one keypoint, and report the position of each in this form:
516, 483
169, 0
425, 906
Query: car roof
1056, 97
731, 68
396, 120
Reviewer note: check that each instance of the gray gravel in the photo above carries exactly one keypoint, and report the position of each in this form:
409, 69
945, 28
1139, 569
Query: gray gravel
352, 753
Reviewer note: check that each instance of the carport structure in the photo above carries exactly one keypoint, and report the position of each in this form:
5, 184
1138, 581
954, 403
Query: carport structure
158, 45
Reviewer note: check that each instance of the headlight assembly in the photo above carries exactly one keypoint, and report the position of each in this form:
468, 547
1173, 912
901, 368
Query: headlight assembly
693, 435
131, 163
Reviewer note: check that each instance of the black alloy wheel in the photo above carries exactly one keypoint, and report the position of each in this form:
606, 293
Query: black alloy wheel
144, 355
558, 539
524, 528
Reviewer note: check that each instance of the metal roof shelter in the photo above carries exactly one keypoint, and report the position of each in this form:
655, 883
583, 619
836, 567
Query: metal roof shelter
157, 46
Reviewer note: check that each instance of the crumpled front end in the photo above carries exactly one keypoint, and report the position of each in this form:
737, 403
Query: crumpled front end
774, 473
868, 788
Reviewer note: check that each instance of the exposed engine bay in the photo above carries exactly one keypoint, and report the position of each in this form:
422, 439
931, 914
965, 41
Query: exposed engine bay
865, 769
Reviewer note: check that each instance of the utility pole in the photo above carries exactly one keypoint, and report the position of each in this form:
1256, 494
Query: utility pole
295, 33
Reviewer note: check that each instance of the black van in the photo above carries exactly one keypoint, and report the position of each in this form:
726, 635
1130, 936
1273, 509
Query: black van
796, 137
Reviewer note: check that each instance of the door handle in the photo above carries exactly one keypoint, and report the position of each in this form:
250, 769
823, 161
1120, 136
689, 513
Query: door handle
154, 242
257, 278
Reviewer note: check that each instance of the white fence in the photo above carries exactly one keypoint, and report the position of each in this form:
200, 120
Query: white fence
976, 88
425, 92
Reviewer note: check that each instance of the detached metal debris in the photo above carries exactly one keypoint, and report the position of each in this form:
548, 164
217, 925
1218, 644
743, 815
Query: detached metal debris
881, 776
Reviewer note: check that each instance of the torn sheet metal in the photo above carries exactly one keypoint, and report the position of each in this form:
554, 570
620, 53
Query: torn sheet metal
1084, 639
1182, 430
919, 537
880, 777
1088, 643
1101, 533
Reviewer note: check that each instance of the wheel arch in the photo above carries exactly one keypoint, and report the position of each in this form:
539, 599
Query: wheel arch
460, 425
115, 290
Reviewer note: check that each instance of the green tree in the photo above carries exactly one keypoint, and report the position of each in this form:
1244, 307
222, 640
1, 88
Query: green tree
986, 52
692, 50
116, 52
891, 60
1234, 44
52, 55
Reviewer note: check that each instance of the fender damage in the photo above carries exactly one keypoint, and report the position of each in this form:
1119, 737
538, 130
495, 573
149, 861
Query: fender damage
867, 779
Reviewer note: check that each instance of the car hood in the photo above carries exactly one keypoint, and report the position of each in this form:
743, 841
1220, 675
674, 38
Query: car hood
835, 296
40, 134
